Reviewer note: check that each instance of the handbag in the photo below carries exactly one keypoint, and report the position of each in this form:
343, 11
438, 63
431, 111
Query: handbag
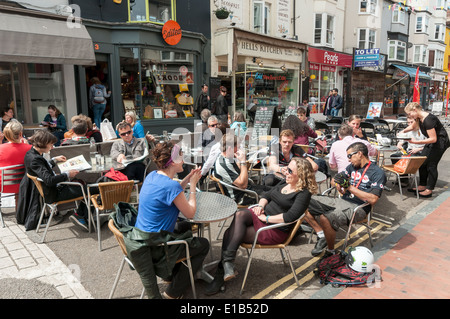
401, 165
107, 131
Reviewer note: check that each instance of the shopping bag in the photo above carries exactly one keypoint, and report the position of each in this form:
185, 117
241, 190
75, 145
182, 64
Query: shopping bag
400, 166
107, 131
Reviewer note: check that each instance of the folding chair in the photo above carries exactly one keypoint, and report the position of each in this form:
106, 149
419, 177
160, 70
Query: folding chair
282, 247
10, 175
186, 261
368, 128
110, 193
414, 163
53, 206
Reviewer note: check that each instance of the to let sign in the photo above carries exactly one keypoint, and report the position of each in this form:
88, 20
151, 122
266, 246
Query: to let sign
367, 57
171, 32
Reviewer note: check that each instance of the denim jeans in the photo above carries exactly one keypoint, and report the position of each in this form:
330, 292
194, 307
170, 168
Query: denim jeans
334, 112
98, 110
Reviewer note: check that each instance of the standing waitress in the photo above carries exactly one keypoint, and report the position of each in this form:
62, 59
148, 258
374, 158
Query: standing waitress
436, 142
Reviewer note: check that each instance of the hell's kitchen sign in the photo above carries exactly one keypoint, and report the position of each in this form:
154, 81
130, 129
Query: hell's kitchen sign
171, 32
330, 57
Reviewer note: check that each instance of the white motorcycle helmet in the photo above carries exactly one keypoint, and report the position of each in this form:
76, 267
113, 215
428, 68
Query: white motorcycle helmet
360, 259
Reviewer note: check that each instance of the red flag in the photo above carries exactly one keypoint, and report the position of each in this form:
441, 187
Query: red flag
448, 92
416, 96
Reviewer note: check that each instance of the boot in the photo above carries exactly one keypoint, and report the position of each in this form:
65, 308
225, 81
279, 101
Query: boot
217, 284
228, 257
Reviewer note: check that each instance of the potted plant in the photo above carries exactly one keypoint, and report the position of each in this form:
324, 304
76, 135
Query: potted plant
222, 13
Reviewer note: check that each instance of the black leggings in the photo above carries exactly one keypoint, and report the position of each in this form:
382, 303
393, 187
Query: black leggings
240, 231
428, 171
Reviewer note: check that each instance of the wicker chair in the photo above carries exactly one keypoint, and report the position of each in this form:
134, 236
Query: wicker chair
53, 206
110, 193
282, 246
186, 261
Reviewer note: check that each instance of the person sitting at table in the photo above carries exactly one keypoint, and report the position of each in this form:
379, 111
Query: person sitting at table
211, 155
362, 181
91, 132
239, 125
301, 114
436, 143
355, 122
338, 151
6, 117
209, 135
277, 162
36, 165
301, 131
79, 130
226, 169
129, 148
13, 153
284, 203
406, 145
56, 123
161, 199
138, 129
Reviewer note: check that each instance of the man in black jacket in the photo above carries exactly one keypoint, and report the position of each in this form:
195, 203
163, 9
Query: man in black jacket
202, 101
336, 103
220, 109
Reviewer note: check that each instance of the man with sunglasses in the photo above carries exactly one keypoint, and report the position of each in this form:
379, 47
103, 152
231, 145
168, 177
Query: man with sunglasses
128, 148
364, 184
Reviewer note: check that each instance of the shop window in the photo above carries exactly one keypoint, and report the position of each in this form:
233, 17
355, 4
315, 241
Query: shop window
324, 29
322, 80
397, 50
261, 17
155, 11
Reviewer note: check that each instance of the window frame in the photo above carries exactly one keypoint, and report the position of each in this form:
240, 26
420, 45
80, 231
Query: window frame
368, 33
325, 32
400, 13
425, 20
371, 7
440, 32
397, 44
172, 15
265, 17
422, 54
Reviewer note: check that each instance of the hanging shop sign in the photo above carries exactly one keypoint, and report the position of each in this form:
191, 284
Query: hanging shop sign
171, 32
329, 57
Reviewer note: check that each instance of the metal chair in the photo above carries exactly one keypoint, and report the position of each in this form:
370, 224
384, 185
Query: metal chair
323, 127
186, 261
10, 175
53, 206
414, 163
368, 128
110, 193
282, 246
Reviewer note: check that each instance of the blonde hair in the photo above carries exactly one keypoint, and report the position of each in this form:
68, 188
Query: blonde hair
133, 117
306, 175
83, 117
13, 131
287, 132
413, 106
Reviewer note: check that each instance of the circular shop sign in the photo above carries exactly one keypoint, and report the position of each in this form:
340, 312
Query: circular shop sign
171, 32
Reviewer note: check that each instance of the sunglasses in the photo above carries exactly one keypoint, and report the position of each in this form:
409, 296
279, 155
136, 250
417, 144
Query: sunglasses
126, 133
349, 156
289, 171
213, 125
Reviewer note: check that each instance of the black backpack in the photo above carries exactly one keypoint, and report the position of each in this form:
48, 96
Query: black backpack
334, 270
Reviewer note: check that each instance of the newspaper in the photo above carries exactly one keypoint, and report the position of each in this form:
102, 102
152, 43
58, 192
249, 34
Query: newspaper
78, 163
128, 161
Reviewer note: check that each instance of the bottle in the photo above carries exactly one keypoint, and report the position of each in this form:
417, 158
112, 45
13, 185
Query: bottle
92, 151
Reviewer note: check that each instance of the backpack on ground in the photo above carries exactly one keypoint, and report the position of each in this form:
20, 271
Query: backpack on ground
98, 94
335, 270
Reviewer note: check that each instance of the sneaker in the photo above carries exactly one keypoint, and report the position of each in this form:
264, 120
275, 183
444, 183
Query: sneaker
79, 221
319, 247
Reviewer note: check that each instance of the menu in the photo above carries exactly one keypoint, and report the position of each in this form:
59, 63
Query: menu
263, 121
290, 110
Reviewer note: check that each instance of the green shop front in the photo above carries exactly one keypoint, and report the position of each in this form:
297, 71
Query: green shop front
146, 74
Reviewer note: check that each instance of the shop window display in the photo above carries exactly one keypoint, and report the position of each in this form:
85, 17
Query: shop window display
162, 80
321, 81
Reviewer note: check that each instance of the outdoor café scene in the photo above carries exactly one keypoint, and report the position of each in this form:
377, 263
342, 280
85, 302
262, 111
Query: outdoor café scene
196, 213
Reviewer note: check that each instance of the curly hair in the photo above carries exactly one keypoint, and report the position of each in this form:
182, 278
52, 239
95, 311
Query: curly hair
294, 124
306, 175
162, 154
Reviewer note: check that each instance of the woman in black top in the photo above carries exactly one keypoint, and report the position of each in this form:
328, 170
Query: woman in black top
286, 202
436, 142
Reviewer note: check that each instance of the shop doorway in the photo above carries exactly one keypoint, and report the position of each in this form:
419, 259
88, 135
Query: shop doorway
102, 71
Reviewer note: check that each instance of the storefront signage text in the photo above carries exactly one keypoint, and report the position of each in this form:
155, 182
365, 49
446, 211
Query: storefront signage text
329, 57
367, 57
171, 32
268, 51
270, 77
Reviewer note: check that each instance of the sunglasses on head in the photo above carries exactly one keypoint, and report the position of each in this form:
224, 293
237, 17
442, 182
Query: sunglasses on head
126, 133
349, 156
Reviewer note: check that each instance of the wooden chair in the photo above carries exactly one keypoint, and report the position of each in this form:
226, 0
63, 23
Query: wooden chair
10, 175
110, 193
414, 163
186, 261
282, 246
53, 206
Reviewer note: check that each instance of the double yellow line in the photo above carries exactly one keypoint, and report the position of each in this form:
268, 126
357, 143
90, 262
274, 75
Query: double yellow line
283, 294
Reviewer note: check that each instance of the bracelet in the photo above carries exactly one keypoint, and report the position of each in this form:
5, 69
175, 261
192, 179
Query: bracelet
193, 192
243, 163
267, 219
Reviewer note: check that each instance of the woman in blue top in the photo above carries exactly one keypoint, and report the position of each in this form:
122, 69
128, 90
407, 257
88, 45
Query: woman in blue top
56, 123
161, 199
138, 129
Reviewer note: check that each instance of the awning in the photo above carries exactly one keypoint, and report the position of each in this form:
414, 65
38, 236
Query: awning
412, 72
29, 39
